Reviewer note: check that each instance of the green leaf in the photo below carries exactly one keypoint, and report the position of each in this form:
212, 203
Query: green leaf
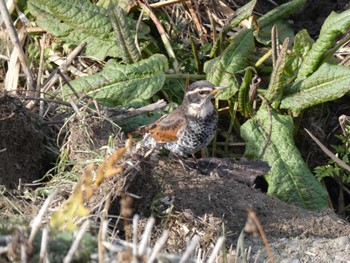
302, 43
334, 25
123, 34
221, 70
243, 94
118, 84
275, 89
289, 178
76, 21
280, 12
285, 30
242, 13
328, 83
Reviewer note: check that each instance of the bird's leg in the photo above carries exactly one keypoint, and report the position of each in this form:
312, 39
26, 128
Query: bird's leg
182, 161
194, 159
149, 152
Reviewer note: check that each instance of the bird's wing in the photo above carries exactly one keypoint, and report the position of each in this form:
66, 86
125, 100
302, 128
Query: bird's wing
167, 128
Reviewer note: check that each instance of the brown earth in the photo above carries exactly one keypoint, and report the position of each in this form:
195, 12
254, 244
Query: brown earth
23, 155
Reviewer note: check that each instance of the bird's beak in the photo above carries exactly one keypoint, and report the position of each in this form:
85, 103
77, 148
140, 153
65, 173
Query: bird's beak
218, 90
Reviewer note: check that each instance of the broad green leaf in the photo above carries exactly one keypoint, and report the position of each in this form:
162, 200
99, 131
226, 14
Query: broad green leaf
334, 25
242, 13
76, 21
280, 12
302, 43
285, 30
118, 84
221, 70
289, 178
328, 83
118, 18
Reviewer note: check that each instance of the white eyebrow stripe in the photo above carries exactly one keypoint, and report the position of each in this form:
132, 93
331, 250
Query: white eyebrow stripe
199, 89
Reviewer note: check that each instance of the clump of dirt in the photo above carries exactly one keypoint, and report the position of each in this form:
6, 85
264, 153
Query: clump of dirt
22, 144
225, 200
86, 135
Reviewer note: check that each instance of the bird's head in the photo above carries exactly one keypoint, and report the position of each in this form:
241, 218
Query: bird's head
198, 96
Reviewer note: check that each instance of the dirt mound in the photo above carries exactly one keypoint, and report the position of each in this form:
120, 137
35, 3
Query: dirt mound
222, 198
22, 144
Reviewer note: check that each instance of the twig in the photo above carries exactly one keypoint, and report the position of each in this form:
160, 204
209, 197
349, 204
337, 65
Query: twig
75, 107
157, 247
31, 104
146, 235
57, 101
219, 243
14, 38
135, 236
14, 67
195, 18
68, 258
52, 79
23, 246
43, 247
41, 64
328, 152
119, 115
255, 219
163, 35
190, 248
37, 220
67, 80
166, 3
102, 235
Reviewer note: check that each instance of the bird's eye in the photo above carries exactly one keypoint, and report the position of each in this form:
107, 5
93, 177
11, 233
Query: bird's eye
202, 92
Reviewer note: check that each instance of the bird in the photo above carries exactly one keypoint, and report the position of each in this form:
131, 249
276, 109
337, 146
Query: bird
188, 128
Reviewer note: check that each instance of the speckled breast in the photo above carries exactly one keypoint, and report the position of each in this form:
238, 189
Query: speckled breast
198, 134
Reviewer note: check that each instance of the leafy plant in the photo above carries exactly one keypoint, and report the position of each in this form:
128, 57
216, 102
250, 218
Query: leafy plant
79, 20
332, 169
303, 75
268, 133
119, 84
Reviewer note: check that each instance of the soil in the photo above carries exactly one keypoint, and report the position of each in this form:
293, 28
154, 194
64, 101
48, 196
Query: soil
23, 155
207, 202
310, 16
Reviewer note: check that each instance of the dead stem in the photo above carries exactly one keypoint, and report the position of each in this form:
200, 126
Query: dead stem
15, 40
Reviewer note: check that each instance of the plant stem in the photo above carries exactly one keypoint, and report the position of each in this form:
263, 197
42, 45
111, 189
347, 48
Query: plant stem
14, 38
163, 35
185, 76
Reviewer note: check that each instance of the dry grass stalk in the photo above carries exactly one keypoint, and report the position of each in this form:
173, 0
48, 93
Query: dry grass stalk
328, 152
190, 248
52, 79
38, 219
102, 234
16, 42
12, 75
166, 3
69, 257
43, 247
163, 35
255, 219
146, 236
